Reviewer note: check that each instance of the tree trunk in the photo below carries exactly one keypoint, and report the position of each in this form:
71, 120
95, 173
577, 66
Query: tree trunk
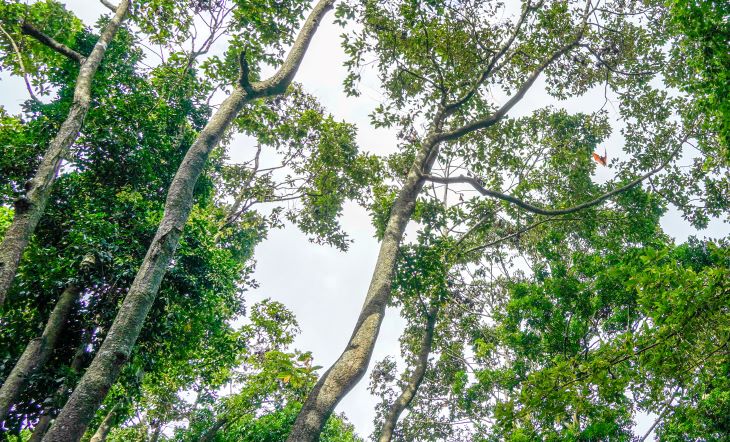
347, 371
45, 420
40, 428
117, 346
37, 351
155, 434
211, 432
29, 208
106, 425
409, 392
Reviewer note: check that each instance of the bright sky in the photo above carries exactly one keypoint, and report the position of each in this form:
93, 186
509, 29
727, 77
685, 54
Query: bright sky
323, 287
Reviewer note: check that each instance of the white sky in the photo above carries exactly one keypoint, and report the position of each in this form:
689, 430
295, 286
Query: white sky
323, 287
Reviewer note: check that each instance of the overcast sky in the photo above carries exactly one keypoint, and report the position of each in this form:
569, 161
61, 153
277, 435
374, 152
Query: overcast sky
323, 287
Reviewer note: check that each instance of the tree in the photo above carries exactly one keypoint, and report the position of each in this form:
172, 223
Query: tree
439, 62
95, 204
30, 206
123, 333
577, 350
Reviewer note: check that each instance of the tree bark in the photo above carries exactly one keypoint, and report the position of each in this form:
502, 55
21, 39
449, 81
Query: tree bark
409, 392
155, 434
40, 428
211, 432
29, 207
347, 371
117, 346
45, 420
106, 425
37, 352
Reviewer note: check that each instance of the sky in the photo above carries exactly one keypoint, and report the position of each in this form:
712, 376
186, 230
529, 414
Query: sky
324, 287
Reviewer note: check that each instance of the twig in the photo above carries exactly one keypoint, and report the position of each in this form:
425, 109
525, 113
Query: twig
22, 65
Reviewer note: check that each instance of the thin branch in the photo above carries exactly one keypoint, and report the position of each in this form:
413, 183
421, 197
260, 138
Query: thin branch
610, 68
486, 72
512, 235
665, 408
20, 62
244, 72
32, 31
414, 381
501, 112
234, 213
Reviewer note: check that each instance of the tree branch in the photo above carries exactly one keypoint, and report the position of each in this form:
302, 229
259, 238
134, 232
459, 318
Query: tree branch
109, 5
488, 70
512, 235
474, 182
501, 112
277, 83
667, 405
244, 72
21, 64
31, 31
414, 381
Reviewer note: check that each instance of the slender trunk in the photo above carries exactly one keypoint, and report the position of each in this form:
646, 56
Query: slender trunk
117, 346
106, 425
347, 371
37, 351
155, 434
40, 428
409, 392
342, 376
45, 420
211, 432
29, 208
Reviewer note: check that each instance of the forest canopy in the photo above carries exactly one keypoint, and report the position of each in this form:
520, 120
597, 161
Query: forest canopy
515, 174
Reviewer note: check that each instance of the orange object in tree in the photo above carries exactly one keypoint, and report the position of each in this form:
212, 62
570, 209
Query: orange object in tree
602, 160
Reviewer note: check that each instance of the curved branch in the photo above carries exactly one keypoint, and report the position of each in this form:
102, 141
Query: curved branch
31, 31
512, 235
501, 112
244, 73
277, 83
477, 184
410, 390
488, 70
109, 5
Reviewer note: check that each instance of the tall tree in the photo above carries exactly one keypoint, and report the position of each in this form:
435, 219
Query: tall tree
117, 346
441, 64
95, 206
30, 206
